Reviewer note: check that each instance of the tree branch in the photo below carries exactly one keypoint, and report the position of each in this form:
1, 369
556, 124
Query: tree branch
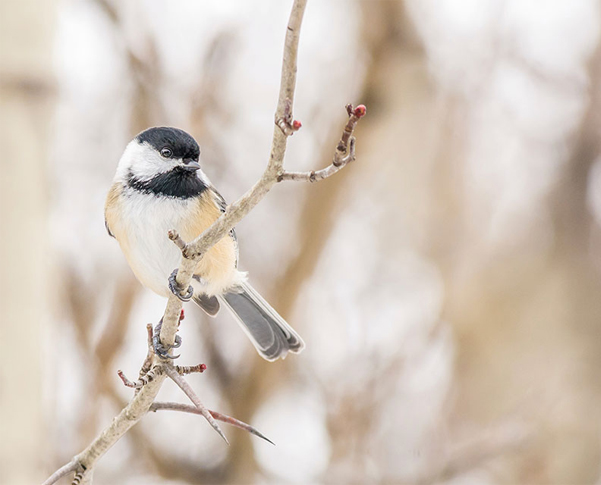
188, 391
345, 151
63, 471
186, 408
143, 400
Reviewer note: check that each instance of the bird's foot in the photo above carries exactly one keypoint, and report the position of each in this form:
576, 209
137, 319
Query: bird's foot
177, 290
160, 349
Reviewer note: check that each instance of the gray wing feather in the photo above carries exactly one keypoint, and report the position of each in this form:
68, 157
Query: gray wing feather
209, 304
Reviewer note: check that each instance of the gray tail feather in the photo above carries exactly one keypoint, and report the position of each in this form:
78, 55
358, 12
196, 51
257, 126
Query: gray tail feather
268, 331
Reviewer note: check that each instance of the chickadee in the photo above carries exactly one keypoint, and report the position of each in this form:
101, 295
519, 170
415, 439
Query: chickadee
159, 186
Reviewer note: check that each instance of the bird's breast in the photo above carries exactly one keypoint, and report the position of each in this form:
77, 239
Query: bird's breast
141, 222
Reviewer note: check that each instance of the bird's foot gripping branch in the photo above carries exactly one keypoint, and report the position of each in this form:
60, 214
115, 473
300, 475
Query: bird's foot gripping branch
155, 368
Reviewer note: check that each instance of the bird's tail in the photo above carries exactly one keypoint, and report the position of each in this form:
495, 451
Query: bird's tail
268, 331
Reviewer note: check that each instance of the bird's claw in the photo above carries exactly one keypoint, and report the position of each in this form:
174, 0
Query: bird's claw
177, 290
161, 349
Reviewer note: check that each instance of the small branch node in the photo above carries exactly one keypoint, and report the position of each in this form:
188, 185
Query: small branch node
190, 369
286, 123
176, 238
150, 376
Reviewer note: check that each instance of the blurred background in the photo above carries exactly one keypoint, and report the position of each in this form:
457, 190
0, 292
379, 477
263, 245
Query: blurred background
447, 284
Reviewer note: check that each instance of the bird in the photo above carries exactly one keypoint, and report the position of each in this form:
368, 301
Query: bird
159, 186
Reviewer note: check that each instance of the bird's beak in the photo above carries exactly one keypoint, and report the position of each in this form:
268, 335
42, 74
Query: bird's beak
191, 166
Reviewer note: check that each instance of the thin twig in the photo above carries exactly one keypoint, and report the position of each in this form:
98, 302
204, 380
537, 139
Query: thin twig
344, 154
176, 238
150, 376
187, 408
62, 471
147, 364
190, 369
188, 391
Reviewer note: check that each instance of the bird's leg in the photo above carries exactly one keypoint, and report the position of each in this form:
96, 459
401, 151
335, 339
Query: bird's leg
177, 290
161, 349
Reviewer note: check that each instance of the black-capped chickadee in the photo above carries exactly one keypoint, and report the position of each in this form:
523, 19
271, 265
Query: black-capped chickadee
159, 186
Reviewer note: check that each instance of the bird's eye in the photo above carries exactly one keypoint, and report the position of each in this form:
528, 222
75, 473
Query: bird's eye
166, 152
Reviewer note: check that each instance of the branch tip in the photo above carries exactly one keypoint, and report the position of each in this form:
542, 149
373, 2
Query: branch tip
149, 376
187, 408
343, 155
176, 238
360, 111
190, 369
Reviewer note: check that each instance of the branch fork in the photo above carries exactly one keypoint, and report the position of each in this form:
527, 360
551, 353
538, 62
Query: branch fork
343, 155
176, 373
147, 388
187, 250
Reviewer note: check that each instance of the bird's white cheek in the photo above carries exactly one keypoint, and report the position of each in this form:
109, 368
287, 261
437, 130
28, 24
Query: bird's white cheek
143, 162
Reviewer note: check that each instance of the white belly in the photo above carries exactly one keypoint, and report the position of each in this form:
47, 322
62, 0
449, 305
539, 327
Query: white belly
151, 254
142, 228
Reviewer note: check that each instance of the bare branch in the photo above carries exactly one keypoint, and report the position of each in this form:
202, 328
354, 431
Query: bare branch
190, 369
147, 364
184, 386
176, 238
150, 376
345, 151
238, 210
62, 471
186, 408
148, 388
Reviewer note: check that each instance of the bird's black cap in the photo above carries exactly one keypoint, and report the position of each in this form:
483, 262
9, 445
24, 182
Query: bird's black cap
181, 144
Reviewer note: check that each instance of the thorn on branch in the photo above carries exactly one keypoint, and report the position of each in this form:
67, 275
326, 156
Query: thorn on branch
286, 123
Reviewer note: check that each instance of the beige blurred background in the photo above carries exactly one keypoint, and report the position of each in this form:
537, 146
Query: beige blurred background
447, 284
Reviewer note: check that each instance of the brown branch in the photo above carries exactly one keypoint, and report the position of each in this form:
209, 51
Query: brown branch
344, 154
62, 472
186, 408
190, 369
149, 376
142, 401
147, 364
238, 210
188, 391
